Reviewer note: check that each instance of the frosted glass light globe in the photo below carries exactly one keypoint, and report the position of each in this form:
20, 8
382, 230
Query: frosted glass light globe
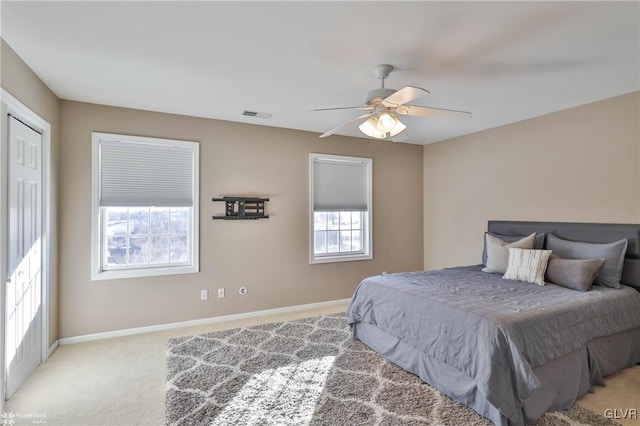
386, 122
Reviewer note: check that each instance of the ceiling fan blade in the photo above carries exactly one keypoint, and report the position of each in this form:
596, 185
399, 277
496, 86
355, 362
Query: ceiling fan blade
361, 107
353, 120
404, 95
429, 112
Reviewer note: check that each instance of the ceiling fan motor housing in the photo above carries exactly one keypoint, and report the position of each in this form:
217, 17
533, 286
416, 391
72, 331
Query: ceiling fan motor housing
383, 70
377, 95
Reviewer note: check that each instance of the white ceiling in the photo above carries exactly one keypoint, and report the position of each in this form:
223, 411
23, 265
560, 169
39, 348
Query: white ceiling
503, 61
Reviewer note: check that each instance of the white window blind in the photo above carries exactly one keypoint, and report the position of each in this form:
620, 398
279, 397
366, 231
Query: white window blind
340, 185
145, 174
144, 198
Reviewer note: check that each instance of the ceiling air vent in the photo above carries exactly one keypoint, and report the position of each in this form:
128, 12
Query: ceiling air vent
257, 114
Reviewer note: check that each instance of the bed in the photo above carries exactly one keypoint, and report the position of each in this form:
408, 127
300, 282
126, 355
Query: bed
509, 350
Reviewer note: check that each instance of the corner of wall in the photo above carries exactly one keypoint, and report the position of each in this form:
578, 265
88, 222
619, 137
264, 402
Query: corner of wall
23, 84
577, 165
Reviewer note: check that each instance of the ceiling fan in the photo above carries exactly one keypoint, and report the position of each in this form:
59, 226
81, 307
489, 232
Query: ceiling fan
383, 106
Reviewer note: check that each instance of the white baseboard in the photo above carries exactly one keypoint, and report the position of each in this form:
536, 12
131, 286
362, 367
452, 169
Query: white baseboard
203, 321
53, 348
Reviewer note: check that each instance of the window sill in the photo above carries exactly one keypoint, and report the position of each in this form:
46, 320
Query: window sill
143, 272
339, 258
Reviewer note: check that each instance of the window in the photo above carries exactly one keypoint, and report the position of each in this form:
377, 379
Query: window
145, 206
340, 208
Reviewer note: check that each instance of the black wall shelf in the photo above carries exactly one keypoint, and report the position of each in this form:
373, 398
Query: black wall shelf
242, 208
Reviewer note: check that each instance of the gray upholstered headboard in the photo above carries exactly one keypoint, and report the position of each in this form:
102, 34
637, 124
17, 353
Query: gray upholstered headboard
590, 232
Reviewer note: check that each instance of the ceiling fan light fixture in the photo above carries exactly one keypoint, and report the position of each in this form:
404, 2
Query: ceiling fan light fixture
373, 127
398, 128
386, 122
370, 128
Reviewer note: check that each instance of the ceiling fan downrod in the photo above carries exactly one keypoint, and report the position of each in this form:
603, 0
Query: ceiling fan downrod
382, 71
376, 96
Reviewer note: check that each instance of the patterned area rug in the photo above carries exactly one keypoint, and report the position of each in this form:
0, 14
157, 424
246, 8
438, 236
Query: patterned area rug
307, 372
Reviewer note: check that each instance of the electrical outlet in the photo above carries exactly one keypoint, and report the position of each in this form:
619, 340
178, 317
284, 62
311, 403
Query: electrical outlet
204, 294
221, 293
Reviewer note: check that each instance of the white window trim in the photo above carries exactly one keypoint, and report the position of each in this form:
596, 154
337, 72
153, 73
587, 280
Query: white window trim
368, 234
97, 273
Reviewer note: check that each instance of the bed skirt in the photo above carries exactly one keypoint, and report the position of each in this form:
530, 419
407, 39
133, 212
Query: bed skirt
562, 380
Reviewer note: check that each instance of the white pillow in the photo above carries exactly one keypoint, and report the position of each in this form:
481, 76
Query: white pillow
498, 252
527, 265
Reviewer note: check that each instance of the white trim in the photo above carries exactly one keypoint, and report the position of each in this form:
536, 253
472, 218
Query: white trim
3, 245
203, 321
367, 236
138, 272
11, 105
97, 273
340, 257
53, 347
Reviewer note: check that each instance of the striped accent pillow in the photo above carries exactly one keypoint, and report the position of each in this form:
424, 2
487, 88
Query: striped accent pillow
527, 265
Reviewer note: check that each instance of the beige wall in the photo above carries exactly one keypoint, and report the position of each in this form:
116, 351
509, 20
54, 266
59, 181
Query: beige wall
581, 164
23, 84
268, 256
577, 165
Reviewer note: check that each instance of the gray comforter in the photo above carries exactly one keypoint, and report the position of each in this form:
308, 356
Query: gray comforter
494, 330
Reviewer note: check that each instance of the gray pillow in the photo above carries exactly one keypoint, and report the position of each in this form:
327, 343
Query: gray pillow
538, 244
612, 253
498, 252
576, 274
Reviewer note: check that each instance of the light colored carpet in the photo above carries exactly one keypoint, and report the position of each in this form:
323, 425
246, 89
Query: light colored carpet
308, 371
121, 381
